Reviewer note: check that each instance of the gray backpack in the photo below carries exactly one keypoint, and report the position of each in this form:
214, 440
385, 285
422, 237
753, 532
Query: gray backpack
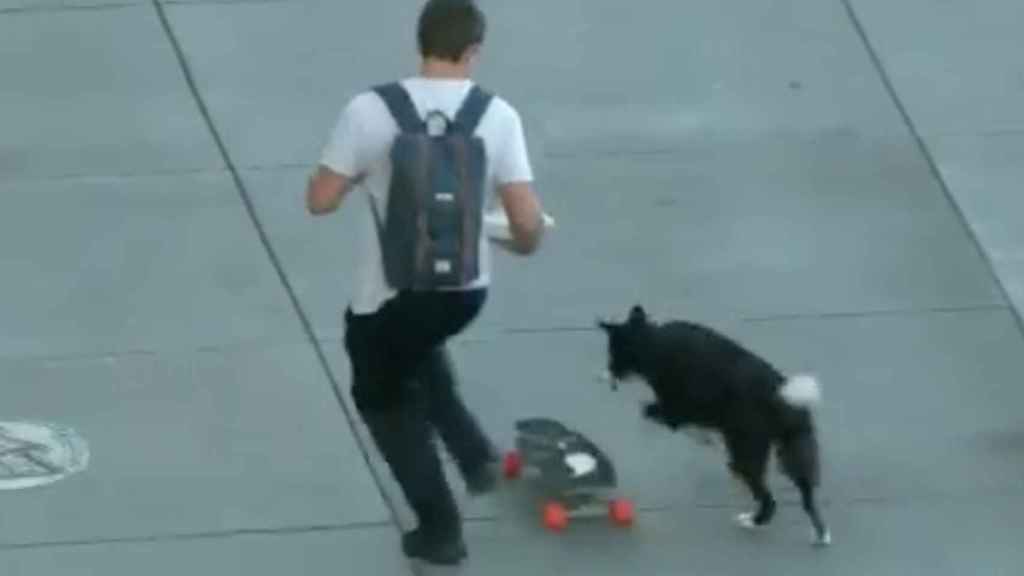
430, 238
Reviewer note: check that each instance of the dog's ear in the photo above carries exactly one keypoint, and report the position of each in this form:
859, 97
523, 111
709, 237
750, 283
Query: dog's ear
637, 315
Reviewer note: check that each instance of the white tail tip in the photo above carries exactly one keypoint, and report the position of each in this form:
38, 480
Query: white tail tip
801, 390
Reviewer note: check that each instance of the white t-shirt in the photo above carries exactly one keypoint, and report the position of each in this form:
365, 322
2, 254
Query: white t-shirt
361, 143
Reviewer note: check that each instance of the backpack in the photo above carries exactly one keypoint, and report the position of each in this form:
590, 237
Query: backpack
430, 238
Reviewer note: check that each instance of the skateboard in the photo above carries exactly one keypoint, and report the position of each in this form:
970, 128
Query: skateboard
574, 476
497, 226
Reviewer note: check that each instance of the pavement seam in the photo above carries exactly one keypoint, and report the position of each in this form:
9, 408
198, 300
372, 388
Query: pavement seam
929, 158
151, 173
762, 319
492, 334
115, 4
883, 313
307, 325
113, 176
69, 8
332, 528
242, 346
186, 537
222, 2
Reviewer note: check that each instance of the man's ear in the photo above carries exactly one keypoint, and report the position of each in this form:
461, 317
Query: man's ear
471, 55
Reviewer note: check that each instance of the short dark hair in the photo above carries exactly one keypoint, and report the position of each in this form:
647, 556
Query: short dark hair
447, 28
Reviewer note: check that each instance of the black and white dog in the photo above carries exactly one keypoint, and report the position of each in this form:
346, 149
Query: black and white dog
703, 380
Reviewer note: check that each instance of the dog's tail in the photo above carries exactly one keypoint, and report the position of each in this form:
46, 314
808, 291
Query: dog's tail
801, 390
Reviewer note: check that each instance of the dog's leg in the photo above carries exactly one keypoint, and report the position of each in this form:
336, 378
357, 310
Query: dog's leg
799, 461
701, 436
656, 412
671, 418
749, 461
766, 502
822, 537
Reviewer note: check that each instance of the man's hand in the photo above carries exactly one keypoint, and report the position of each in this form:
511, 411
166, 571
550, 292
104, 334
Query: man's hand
326, 189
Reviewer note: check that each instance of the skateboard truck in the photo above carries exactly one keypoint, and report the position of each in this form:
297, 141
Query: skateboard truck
570, 469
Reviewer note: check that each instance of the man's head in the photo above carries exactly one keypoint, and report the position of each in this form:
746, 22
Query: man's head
450, 31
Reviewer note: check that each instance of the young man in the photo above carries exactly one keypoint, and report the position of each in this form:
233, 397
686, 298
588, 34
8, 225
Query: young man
403, 382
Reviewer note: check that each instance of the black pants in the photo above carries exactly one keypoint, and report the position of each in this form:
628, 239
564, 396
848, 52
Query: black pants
389, 349
404, 387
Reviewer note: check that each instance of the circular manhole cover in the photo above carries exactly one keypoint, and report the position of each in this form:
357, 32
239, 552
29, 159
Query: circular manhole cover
36, 453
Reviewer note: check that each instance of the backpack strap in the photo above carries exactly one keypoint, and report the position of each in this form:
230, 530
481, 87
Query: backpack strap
402, 109
401, 106
472, 110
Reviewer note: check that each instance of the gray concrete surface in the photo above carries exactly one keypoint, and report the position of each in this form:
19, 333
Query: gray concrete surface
836, 183
315, 552
100, 265
77, 101
964, 102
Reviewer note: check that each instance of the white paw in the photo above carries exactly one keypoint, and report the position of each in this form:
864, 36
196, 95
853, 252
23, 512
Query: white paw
746, 520
824, 540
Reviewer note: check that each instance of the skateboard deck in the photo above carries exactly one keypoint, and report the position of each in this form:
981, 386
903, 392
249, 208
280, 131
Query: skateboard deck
574, 476
497, 226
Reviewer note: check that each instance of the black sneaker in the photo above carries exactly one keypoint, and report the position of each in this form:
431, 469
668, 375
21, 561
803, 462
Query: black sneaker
447, 551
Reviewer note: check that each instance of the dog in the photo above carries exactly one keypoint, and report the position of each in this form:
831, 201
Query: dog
706, 382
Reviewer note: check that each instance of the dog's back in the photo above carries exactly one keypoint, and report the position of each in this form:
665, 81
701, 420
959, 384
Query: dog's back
727, 384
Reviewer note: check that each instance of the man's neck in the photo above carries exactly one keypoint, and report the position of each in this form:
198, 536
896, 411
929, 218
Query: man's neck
443, 69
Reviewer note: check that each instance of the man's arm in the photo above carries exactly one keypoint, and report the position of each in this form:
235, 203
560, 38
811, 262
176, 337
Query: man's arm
514, 175
343, 163
525, 218
326, 190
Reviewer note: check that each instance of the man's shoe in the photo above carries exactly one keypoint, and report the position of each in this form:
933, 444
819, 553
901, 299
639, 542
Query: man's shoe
445, 551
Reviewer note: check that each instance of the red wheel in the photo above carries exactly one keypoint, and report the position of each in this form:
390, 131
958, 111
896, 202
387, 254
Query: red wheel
621, 512
513, 465
556, 518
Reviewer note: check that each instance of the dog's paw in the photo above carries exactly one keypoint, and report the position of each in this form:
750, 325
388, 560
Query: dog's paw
746, 520
821, 540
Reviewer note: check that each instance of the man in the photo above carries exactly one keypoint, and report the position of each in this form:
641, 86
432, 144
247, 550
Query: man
403, 383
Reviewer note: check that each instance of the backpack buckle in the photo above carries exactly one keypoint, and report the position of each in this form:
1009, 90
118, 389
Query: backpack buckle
436, 123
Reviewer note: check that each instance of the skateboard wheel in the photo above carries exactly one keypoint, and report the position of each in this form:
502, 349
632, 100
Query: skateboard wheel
621, 512
556, 518
513, 465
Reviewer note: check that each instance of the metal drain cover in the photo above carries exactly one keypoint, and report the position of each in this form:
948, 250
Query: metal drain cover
36, 453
